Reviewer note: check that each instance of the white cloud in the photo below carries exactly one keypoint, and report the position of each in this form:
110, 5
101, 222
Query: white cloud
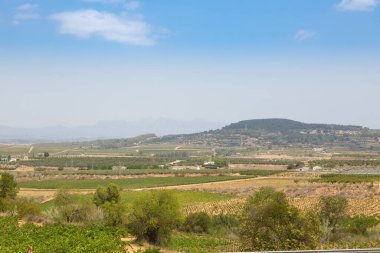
88, 23
26, 11
357, 5
133, 5
304, 34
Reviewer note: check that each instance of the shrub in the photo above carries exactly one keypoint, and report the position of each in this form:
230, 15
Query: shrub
6, 204
360, 224
114, 214
333, 209
197, 223
154, 216
73, 208
269, 222
27, 208
225, 221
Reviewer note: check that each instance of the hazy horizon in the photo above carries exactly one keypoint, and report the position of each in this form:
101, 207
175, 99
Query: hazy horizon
84, 61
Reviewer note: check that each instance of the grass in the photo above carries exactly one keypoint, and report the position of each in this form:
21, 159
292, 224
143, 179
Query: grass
193, 243
185, 198
129, 183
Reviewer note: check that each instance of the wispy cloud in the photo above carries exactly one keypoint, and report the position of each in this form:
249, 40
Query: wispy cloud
26, 11
118, 28
132, 5
304, 34
357, 5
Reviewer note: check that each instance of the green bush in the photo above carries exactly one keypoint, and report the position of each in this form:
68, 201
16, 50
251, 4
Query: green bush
6, 204
114, 214
359, 224
225, 221
269, 222
27, 208
73, 208
153, 217
333, 209
197, 223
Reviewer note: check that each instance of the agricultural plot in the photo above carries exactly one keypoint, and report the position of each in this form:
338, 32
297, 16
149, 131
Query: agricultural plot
130, 183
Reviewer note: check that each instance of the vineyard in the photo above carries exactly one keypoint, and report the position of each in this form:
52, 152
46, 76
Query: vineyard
357, 206
347, 178
59, 238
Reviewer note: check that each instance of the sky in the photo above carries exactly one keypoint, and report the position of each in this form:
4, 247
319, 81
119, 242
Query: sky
78, 62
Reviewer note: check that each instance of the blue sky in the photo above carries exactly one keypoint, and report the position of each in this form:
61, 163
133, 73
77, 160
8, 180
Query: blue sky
81, 61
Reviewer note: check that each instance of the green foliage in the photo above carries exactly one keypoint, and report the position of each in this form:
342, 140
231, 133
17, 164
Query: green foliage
221, 163
197, 223
28, 208
6, 204
61, 238
196, 243
114, 213
225, 222
154, 216
333, 209
111, 193
74, 207
359, 224
8, 186
269, 222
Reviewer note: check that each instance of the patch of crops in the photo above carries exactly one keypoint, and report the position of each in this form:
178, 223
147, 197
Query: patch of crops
129, 183
260, 172
58, 238
98, 162
340, 163
346, 178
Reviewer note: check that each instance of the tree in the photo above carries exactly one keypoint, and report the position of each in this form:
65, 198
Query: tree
8, 186
269, 222
154, 216
333, 209
46, 154
111, 193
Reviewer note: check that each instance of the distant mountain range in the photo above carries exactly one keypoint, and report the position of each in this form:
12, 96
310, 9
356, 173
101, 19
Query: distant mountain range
250, 134
263, 133
104, 130
282, 125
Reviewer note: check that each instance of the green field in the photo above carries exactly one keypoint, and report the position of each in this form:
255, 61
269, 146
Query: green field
130, 183
184, 198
